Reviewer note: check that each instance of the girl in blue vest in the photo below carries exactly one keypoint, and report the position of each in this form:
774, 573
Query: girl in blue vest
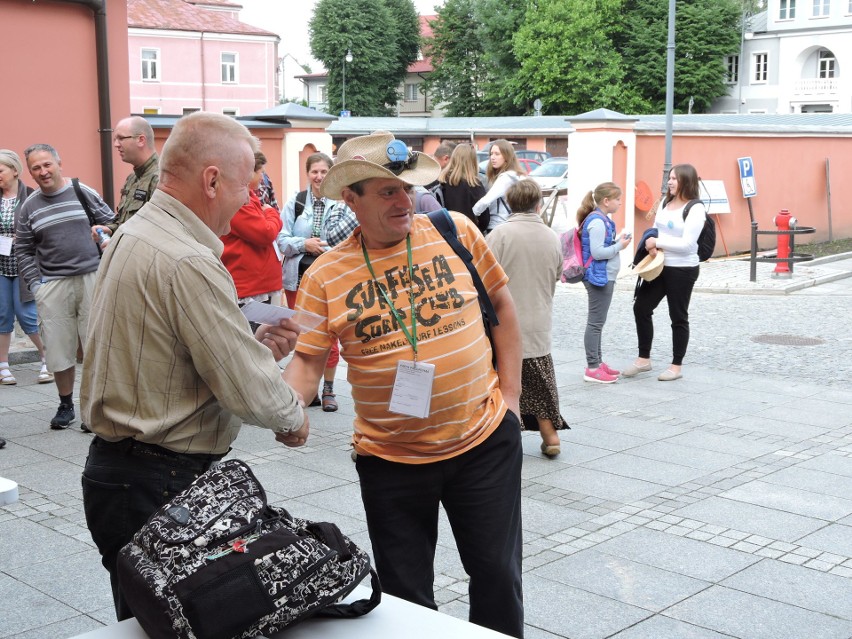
600, 242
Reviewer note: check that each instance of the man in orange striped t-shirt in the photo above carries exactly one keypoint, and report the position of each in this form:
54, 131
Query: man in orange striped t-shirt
395, 292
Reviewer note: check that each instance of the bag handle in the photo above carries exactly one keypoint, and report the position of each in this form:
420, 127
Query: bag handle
357, 608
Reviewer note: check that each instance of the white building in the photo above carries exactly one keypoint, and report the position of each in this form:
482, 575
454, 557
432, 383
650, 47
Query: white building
795, 57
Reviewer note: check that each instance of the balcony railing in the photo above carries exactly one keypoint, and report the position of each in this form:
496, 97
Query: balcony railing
815, 86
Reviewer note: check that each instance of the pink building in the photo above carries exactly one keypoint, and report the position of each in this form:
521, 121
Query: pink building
191, 55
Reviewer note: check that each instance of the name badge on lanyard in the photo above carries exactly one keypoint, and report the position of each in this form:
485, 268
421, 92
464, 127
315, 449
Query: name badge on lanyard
412, 389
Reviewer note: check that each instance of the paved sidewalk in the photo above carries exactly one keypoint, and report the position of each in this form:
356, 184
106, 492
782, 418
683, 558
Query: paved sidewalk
719, 505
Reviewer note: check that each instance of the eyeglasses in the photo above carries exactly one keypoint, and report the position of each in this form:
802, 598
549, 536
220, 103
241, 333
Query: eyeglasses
401, 159
122, 138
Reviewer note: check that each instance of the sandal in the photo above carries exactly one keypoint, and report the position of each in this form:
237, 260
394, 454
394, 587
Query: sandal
6, 377
329, 402
44, 376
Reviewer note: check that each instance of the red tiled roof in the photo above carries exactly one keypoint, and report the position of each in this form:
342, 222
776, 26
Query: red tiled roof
177, 15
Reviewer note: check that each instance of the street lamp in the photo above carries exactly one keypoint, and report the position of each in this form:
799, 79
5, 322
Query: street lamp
347, 58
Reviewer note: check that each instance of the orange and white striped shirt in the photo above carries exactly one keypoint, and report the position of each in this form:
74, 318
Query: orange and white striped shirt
466, 405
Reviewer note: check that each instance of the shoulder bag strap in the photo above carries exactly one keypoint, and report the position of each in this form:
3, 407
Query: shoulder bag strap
301, 200
82, 198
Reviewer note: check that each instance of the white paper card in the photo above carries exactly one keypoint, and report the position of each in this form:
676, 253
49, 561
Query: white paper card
412, 389
5, 245
261, 313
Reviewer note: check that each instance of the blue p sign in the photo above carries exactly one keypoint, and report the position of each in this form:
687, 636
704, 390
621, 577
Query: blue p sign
747, 177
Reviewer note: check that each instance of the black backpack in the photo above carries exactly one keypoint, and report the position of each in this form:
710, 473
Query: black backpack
219, 562
707, 237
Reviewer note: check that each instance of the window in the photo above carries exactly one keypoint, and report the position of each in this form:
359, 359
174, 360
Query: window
229, 67
732, 69
188, 110
761, 68
412, 93
322, 93
826, 64
787, 11
151, 65
151, 110
231, 112
821, 8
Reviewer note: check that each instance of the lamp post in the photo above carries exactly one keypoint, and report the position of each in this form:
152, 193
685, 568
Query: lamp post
347, 58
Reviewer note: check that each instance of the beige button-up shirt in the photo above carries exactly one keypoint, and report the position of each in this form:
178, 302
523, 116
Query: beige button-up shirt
170, 359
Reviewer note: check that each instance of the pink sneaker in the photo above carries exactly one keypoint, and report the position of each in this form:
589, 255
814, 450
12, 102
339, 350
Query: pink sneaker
608, 370
599, 376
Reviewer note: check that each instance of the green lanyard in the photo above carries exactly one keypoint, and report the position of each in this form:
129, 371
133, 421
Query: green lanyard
412, 336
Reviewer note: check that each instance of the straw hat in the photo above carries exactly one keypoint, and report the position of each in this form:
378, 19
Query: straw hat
650, 266
378, 155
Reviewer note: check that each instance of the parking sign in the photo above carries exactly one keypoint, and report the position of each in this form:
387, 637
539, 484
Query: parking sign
747, 177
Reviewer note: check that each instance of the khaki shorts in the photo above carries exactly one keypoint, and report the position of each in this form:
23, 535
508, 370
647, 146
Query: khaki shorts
63, 315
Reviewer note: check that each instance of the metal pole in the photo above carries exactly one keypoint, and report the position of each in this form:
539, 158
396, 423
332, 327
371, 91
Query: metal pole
343, 108
670, 69
753, 268
828, 196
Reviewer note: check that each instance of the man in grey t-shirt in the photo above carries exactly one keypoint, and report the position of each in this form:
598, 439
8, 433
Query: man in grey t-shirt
58, 259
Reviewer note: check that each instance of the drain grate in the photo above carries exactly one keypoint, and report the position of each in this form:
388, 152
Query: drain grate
788, 340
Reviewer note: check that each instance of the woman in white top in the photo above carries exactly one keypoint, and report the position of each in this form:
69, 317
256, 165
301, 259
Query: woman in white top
503, 171
678, 239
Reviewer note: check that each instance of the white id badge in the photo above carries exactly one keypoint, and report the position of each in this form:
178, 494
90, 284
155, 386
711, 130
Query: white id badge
5, 245
412, 389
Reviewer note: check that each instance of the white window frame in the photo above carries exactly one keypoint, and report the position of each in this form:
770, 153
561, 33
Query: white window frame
229, 71
322, 93
732, 69
826, 64
150, 67
151, 110
231, 111
411, 92
760, 59
821, 8
188, 110
787, 10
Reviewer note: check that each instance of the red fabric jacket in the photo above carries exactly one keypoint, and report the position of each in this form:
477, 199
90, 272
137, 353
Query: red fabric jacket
249, 255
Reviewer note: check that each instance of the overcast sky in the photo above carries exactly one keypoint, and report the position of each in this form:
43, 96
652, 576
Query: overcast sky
289, 19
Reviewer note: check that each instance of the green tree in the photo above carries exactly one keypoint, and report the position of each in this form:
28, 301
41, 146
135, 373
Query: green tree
498, 21
379, 34
457, 60
567, 58
704, 34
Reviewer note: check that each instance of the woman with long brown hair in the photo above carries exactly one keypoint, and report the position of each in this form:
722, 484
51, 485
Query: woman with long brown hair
503, 171
677, 237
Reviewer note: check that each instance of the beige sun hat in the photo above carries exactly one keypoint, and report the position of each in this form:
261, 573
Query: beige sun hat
650, 266
378, 155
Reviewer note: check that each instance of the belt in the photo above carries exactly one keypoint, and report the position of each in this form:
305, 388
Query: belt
130, 446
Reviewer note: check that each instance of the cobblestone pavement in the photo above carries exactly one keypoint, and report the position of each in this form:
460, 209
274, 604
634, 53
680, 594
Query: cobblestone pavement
719, 505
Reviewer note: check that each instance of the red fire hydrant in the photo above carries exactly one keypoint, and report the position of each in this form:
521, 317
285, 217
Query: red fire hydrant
784, 222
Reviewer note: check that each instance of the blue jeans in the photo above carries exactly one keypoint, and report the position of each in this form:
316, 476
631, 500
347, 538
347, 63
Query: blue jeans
124, 483
481, 494
11, 307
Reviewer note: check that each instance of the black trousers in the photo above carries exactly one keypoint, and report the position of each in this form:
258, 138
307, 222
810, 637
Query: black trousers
675, 284
124, 483
481, 494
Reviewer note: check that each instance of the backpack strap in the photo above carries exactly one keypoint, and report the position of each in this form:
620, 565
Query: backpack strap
688, 206
301, 200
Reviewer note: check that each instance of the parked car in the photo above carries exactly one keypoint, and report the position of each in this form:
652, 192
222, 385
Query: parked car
539, 156
529, 164
552, 174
